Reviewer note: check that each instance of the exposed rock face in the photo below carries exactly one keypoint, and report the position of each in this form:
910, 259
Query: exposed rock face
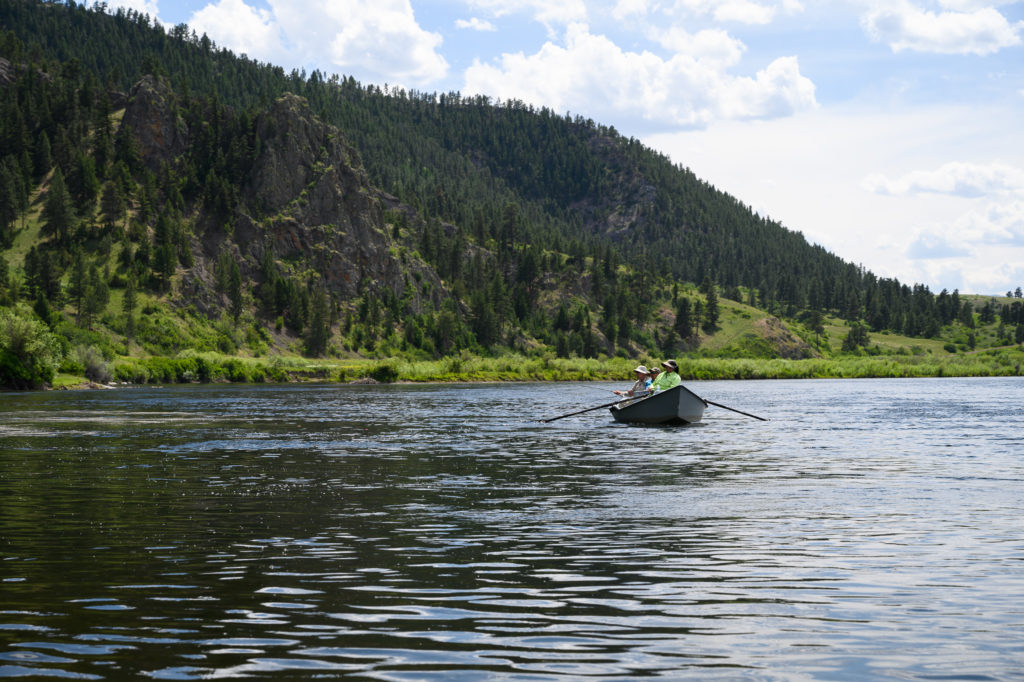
151, 113
6, 72
788, 344
309, 199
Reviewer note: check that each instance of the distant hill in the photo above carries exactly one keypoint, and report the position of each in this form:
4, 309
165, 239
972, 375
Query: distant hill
160, 194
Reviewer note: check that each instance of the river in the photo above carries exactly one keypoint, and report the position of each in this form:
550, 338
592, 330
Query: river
872, 529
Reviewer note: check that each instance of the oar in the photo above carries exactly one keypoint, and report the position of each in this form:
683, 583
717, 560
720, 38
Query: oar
589, 409
732, 409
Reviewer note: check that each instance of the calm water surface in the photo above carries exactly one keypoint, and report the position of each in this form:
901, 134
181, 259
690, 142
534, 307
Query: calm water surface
871, 530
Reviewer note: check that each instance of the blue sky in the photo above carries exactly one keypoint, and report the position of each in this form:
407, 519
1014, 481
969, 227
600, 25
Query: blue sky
888, 131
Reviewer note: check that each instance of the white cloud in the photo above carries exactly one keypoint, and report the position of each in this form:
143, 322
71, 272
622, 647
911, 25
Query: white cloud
379, 40
971, 5
743, 11
142, 6
709, 46
982, 251
995, 223
551, 14
592, 75
807, 171
475, 24
904, 26
955, 178
932, 246
628, 8
740, 11
241, 28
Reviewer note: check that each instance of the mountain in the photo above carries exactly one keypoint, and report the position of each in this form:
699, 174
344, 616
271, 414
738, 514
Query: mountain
160, 194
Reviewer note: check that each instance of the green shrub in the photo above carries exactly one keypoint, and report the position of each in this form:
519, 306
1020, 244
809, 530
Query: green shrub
236, 371
94, 366
129, 371
385, 372
203, 371
29, 352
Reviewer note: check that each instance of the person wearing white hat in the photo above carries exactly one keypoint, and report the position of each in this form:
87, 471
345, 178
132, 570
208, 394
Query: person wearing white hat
640, 385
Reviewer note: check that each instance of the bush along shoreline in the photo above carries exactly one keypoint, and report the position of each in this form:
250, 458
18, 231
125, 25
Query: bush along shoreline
84, 369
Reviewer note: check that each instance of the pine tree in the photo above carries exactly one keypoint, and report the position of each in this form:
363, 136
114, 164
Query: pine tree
684, 321
319, 330
235, 291
112, 204
58, 213
5, 280
96, 297
83, 184
78, 284
711, 312
483, 320
857, 337
966, 315
42, 160
8, 209
128, 306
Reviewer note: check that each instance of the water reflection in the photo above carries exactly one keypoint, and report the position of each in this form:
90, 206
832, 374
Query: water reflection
410, 532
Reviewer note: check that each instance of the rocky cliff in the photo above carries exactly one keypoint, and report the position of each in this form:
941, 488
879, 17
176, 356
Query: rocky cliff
152, 115
307, 199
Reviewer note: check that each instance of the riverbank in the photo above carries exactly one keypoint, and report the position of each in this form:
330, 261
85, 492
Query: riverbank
216, 368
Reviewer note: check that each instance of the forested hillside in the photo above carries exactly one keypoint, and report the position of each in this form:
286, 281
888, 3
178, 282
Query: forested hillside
160, 195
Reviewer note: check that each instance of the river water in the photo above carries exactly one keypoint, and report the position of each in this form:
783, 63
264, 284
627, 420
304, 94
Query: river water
873, 529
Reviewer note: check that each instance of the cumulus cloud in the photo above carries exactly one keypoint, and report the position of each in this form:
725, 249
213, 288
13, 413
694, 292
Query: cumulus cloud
628, 8
378, 40
972, 30
239, 27
956, 178
591, 73
740, 11
996, 223
709, 46
149, 7
931, 245
551, 14
979, 242
745, 12
475, 24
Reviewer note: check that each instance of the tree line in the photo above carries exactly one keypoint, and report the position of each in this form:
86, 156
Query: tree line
546, 228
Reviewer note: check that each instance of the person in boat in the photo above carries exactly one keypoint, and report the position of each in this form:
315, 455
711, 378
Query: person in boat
639, 386
668, 379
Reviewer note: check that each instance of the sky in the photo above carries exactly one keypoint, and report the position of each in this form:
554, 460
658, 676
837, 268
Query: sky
891, 132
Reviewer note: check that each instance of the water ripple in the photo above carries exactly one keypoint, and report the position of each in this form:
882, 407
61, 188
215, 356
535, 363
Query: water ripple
412, 532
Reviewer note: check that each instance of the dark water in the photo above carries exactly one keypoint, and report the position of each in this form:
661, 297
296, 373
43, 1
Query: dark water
872, 530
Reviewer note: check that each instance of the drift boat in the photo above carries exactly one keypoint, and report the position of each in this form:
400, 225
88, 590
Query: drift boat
677, 405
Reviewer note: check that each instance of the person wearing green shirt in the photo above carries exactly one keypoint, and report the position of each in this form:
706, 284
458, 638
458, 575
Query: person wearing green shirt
668, 379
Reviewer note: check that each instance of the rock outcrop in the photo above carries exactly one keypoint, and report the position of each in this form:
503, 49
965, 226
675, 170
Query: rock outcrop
152, 115
787, 344
309, 200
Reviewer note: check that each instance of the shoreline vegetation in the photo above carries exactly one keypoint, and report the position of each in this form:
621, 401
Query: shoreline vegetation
191, 367
171, 213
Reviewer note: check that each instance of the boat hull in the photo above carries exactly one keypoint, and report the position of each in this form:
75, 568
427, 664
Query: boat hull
675, 406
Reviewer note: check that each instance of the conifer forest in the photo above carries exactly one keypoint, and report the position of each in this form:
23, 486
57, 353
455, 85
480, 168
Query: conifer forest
171, 211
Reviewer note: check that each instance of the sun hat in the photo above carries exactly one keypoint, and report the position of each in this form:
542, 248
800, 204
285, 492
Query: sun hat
671, 364
642, 369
